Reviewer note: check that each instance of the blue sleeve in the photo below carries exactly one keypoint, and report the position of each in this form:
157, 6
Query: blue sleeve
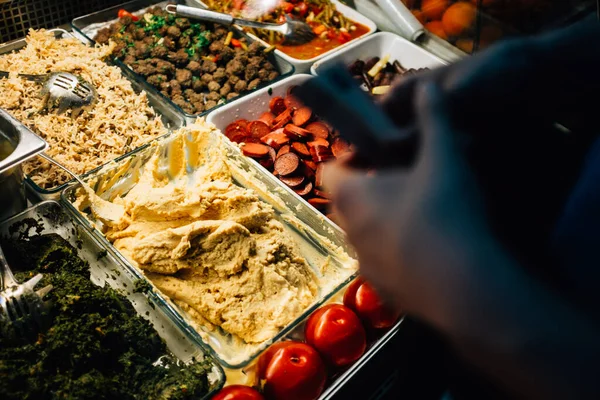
576, 239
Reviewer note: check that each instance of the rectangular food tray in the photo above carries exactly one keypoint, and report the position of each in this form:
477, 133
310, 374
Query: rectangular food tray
107, 270
319, 240
90, 24
170, 116
303, 66
378, 45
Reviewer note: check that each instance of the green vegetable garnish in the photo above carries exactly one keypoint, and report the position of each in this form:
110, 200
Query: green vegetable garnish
96, 347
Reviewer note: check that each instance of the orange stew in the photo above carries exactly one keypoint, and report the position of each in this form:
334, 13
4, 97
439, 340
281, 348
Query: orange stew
323, 43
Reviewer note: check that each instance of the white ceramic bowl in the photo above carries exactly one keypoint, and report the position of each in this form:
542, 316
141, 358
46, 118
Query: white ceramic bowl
378, 45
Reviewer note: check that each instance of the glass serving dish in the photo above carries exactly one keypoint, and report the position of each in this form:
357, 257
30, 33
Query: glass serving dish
107, 270
90, 24
170, 116
320, 242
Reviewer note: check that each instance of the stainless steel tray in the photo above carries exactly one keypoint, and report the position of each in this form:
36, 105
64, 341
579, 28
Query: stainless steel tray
319, 240
90, 24
168, 113
107, 270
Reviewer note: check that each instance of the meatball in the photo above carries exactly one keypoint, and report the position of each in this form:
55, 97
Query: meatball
209, 66
273, 75
181, 102
156, 79
180, 57
194, 66
199, 106
214, 86
103, 36
255, 49
225, 89
120, 47
216, 47
232, 95
149, 40
169, 43
253, 84
251, 72
141, 50
189, 94
214, 96
175, 88
139, 34
219, 75
263, 74
159, 51
227, 54
164, 67
144, 68
174, 32
162, 31
206, 78
182, 23
184, 42
268, 66
241, 56
198, 85
220, 32
234, 67
116, 27
165, 87
241, 86
128, 60
184, 77
210, 104
233, 79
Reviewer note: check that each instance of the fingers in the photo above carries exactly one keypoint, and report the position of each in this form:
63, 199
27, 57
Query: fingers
345, 185
435, 125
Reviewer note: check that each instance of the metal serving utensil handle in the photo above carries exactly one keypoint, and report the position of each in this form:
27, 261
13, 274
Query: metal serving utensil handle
221, 18
199, 13
6, 276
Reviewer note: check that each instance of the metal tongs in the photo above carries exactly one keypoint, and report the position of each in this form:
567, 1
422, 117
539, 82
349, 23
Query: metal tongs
336, 97
294, 32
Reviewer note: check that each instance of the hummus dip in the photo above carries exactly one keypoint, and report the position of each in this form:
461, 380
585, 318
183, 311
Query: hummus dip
210, 245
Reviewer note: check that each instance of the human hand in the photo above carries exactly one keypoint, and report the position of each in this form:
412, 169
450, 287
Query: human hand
506, 100
411, 228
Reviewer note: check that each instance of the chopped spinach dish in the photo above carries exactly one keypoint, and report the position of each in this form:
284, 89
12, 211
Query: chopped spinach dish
97, 346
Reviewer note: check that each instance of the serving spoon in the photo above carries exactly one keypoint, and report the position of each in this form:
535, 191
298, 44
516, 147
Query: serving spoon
294, 32
63, 90
107, 212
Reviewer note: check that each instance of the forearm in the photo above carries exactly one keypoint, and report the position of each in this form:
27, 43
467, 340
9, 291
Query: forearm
516, 330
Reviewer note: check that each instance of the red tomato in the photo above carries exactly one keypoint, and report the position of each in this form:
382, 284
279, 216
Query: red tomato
364, 300
124, 13
292, 371
238, 392
336, 332
239, 4
302, 9
287, 7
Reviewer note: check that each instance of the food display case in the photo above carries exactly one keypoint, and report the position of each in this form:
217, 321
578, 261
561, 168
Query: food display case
274, 149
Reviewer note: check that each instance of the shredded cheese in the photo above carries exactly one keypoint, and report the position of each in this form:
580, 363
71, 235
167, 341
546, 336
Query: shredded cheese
120, 121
